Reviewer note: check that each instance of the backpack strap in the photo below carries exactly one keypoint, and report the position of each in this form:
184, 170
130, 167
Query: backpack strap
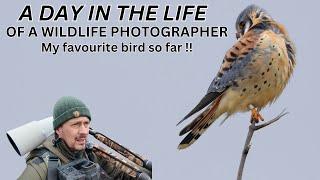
55, 158
53, 163
38, 152
36, 160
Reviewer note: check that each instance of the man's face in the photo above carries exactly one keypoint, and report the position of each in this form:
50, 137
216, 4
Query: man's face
74, 132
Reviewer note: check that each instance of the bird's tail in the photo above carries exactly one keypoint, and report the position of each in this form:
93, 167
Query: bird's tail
200, 124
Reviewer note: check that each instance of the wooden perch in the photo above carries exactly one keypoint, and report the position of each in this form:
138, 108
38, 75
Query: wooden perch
252, 128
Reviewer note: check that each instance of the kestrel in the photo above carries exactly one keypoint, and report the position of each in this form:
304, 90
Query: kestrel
253, 73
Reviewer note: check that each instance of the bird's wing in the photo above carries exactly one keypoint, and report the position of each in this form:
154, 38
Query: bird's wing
234, 63
207, 99
230, 71
233, 69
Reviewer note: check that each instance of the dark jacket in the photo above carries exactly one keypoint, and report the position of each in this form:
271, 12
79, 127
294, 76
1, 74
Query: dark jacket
37, 162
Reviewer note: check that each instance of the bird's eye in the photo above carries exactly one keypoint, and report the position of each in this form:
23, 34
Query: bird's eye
241, 25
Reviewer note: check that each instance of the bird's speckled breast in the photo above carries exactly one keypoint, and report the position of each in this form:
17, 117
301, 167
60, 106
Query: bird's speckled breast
264, 78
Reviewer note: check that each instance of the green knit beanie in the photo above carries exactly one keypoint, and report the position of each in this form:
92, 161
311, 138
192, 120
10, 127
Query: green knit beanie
67, 108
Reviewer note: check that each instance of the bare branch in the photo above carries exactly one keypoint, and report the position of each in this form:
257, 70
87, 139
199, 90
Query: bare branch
283, 113
252, 128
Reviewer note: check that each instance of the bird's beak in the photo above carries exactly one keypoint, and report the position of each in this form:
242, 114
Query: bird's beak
246, 27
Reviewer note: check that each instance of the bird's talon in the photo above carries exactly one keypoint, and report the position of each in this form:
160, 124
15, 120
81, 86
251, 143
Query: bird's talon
255, 116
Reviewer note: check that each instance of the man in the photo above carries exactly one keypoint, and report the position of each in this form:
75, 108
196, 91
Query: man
71, 124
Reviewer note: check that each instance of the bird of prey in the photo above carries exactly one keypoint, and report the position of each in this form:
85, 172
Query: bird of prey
253, 73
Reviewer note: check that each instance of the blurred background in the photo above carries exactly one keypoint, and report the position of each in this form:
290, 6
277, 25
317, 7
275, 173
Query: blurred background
138, 98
